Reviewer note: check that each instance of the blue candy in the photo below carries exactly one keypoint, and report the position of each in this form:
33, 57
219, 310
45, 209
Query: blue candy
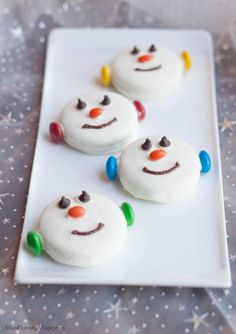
111, 167
205, 161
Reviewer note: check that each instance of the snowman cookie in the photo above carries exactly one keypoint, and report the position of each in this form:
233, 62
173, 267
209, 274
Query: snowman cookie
146, 73
159, 169
98, 123
81, 229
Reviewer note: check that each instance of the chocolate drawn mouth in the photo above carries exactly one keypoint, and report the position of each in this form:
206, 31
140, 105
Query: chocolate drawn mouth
148, 69
163, 172
98, 228
89, 126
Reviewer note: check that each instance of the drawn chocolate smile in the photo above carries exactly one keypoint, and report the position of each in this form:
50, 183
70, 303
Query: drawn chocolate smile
163, 172
104, 125
98, 228
148, 69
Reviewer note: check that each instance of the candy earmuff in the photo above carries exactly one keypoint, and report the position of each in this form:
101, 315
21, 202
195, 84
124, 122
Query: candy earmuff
205, 161
106, 75
140, 109
34, 242
128, 212
111, 167
56, 132
187, 60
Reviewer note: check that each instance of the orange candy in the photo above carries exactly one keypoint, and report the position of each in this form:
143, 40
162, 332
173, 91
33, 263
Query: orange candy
76, 211
95, 112
157, 154
145, 58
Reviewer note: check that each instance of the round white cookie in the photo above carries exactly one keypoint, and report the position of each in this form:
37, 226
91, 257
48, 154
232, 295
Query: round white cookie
82, 230
147, 73
159, 169
99, 123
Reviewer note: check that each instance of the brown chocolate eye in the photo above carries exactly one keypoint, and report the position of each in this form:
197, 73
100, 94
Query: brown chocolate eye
106, 100
81, 104
152, 48
164, 142
64, 203
84, 197
146, 145
135, 51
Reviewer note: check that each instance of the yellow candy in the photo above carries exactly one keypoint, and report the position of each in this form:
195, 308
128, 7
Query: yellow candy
106, 75
187, 60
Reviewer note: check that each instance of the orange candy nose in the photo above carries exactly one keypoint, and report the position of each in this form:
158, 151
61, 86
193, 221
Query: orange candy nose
157, 154
95, 112
76, 211
145, 58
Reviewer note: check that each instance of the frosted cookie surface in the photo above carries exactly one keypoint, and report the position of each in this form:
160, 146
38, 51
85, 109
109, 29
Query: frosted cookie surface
81, 229
97, 123
159, 169
147, 73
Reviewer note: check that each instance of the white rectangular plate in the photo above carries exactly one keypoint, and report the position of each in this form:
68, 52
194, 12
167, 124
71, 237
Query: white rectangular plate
172, 245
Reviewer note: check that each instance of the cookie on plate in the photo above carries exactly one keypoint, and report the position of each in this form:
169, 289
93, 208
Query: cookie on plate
81, 229
98, 123
159, 169
146, 73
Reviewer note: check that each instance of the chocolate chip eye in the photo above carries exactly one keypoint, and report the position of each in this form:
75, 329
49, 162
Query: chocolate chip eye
84, 197
146, 145
164, 142
135, 51
152, 48
64, 203
106, 100
81, 104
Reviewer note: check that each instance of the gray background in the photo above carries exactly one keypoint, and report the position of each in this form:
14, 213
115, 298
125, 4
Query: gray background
24, 26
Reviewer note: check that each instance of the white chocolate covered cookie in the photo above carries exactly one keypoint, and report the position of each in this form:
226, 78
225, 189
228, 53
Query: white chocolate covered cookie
97, 123
159, 169
81, 229
146, 73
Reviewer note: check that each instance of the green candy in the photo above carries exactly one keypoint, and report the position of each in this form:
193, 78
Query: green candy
129, 213
34, 241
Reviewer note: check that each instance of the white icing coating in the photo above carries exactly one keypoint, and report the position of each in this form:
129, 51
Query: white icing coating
151, 84
108, 139
56, 226
168, 188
